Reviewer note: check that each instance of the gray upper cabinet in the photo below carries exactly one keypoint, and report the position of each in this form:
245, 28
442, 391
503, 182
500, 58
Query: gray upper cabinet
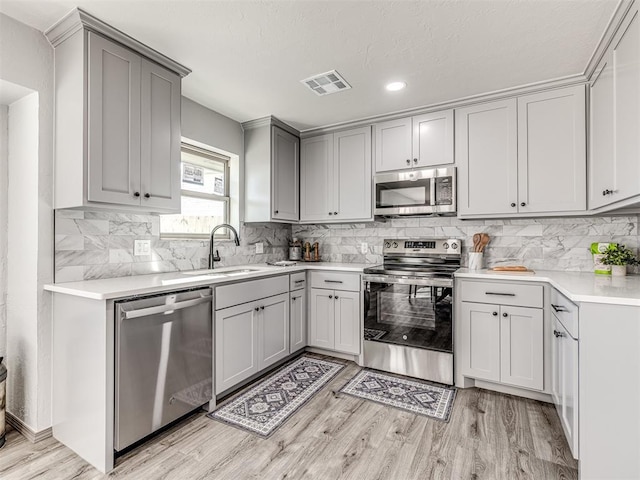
523, 156
415, 142
272, 172
336, 177
117, 116
615, 121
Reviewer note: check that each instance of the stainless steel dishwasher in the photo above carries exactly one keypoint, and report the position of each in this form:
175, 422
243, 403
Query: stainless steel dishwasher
163, 361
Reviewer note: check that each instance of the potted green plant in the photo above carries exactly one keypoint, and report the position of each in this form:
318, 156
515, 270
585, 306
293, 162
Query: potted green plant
619, 256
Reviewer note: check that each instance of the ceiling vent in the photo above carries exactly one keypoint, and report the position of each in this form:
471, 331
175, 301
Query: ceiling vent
326, 83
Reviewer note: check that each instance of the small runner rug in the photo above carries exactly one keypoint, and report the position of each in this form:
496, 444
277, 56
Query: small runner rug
269, 404
411, 395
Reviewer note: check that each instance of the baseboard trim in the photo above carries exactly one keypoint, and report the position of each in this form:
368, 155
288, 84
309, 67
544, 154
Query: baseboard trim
520, 392
26, 431
331, 353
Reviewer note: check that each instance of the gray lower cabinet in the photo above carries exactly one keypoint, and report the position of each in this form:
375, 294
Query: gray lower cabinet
334, 321
251, 329
298, 320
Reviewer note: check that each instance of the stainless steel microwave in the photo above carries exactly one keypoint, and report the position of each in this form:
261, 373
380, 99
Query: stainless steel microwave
416, 192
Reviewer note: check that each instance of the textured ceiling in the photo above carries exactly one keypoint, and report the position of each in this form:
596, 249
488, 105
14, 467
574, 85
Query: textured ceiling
248, 57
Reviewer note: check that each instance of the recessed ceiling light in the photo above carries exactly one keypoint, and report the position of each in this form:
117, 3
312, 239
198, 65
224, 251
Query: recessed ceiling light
395, 86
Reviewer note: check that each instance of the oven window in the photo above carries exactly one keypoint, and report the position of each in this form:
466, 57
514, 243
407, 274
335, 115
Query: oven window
410, 315
402, 194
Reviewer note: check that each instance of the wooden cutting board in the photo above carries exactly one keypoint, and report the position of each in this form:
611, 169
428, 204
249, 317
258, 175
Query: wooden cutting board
517, 269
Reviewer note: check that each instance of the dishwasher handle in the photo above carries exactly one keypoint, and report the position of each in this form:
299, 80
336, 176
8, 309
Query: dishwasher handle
144, 312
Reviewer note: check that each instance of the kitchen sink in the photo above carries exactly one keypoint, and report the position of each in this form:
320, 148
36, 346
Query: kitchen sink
210, 273
241, 271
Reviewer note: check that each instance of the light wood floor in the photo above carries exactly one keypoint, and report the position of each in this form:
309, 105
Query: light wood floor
334, 436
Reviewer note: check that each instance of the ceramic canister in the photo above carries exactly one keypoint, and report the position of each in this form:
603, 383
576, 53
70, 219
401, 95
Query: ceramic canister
3, 401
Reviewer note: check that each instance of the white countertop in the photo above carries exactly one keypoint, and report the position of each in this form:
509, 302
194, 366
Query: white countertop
579, 287
119, 287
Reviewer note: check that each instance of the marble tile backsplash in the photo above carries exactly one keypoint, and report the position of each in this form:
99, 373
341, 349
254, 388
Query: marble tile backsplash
539, 243
98, 244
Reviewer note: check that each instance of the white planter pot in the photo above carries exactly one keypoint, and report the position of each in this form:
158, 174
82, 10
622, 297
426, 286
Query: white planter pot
618, 270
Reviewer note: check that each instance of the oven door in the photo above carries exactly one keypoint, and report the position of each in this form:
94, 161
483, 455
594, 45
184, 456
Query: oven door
411, 315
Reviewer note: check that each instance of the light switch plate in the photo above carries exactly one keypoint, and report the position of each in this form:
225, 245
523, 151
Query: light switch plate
259, 247
364, 248
141, 247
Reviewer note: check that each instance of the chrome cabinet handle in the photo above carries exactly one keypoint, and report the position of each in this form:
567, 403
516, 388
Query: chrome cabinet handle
333, 281
298, 281
558, 334
501, 294
558, 308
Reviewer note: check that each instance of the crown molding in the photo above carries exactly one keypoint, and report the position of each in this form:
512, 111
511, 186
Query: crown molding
78, 19
510, 92
269, 120
607, 37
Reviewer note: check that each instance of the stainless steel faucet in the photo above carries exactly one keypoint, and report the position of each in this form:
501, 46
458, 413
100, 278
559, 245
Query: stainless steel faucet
216, 258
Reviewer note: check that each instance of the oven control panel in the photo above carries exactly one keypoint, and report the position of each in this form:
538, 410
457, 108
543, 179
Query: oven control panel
437, 246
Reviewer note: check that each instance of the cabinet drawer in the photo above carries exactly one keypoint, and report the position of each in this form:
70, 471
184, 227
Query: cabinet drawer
297, 281
230, 295
336, 281
566, 311
502, 293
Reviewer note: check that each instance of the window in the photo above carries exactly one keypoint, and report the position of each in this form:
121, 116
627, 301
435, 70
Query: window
204, 196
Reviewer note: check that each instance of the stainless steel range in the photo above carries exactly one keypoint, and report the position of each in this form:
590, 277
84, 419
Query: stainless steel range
408, 327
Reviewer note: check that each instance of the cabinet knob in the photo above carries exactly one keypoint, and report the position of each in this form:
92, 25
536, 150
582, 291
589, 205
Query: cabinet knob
495, 314
276, 212
505, 314
147, 195
408, 162
558, 334
335, 213
136, 194
336, 297
293, 299
330, 213
523, 204
513, 204
415, 160
607, 192
257, 309
330, 296
262, 307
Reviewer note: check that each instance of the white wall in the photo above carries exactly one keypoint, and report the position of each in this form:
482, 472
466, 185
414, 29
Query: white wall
4, 159
27, 60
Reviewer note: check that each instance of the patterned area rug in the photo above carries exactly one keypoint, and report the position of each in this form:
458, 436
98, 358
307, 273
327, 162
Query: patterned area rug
373, 334
414, 396
270, 403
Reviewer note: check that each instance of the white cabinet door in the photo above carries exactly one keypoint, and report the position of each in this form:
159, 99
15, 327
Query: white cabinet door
552, 158
433, 139
480, 338
322, 319
393, 145
626, 78
273, 331
569, 389
352, 175
114, 123
298, 321
602, 152
160, 140
236, 341
556, 363
486, 154
316, 178
522, 347
285, 176
347, 322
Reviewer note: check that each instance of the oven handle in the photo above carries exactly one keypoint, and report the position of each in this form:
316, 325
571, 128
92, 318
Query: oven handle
408, 280
169, 307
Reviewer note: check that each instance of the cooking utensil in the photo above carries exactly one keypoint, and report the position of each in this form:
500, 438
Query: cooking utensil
510, 268
476, 242
484, 241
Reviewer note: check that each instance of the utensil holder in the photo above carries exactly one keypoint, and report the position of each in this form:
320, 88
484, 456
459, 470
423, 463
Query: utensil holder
476, 261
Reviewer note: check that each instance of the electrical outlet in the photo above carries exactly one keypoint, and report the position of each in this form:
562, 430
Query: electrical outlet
259, 247
364, 248
142, 247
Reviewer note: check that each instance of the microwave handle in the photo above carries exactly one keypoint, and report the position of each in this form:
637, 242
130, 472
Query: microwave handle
432, 192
